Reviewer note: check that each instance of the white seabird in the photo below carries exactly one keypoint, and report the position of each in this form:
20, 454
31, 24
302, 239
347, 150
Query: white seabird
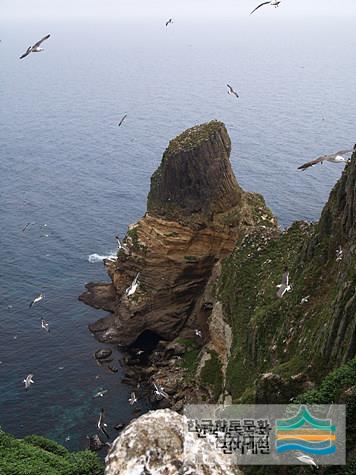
306, 459
338, 157
36, 48
339, 254
159, 392
122, 120
28, 381
100, 393
101, 425
273, 3
305, 300
232, 92
37, 299
133, 287
285, 285
121, 245
45, 325
198, 333
132, 399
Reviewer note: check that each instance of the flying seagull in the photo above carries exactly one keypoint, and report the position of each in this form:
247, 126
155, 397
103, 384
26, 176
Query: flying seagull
285, 285
101, 424
159, 392
133, 287
45, 325
37, 299
339, 254
338, 157
100, 393
27, 226
169, 21
273, 3
122, 246
198, 333
231, 91
305, 300
28, 381
306, 459
36, 48
122, 120
132, 399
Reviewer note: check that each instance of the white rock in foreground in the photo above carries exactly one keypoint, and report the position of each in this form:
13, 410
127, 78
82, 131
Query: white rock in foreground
153, 444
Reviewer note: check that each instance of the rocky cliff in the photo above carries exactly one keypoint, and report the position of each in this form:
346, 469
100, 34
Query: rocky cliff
195, 213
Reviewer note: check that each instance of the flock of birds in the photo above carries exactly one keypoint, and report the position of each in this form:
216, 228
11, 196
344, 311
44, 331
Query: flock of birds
341, 156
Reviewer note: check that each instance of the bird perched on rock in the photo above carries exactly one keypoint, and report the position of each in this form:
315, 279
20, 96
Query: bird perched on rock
36, 48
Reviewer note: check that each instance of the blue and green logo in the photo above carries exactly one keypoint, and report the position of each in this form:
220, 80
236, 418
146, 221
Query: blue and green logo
306, 433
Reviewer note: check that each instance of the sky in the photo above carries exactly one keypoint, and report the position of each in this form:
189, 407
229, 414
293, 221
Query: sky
67, 9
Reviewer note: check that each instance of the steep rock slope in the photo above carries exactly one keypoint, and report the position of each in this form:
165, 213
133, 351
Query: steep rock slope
283, 346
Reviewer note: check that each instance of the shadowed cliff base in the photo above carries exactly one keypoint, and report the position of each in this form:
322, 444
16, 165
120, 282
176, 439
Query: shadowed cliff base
196, 212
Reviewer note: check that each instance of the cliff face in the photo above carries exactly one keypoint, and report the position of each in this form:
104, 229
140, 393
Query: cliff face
281, 347
196, 211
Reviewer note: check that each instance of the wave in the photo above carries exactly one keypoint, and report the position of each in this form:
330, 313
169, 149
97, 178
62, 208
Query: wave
303, 448
93, 258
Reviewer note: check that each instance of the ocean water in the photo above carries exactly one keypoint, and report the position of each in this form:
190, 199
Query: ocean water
65, 163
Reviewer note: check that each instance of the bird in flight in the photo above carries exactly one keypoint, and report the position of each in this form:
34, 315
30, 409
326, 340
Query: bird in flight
132, 399
273, 3
231, 91
285, 285
28, 381
37, 299
169, 21
306, 459
100, 393
338, 157
27, 226
101, 425
122, 246
133, 287
45, 325
36, 48
122, 120
159, 392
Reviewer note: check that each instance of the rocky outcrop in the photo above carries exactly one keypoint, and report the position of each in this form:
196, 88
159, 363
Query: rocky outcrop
196, 211
154, 444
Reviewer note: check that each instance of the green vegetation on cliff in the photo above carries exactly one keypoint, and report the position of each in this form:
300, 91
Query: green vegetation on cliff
35, 455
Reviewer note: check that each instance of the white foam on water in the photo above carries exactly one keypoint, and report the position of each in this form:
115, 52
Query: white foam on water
93, 258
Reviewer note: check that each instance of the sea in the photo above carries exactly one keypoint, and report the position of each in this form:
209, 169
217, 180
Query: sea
66, 166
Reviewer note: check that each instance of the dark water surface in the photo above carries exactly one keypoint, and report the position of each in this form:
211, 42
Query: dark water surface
65, 163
